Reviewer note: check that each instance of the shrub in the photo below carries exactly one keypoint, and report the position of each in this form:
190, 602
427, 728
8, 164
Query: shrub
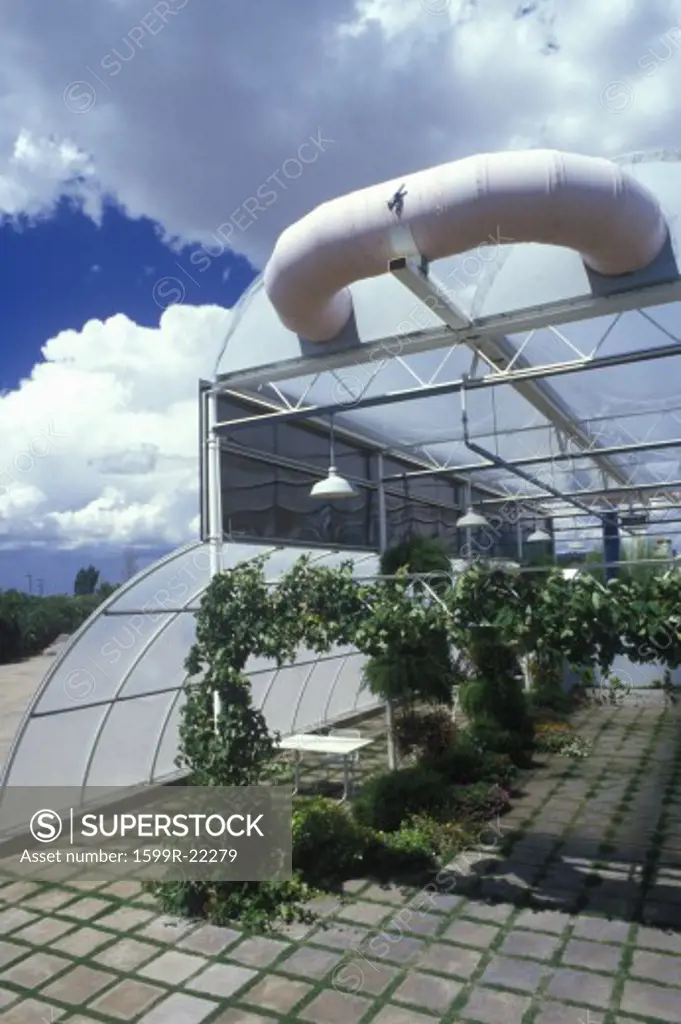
491, 738
478, 802
328, 842
466, 761
441, 839
460, 763
29, 624
429, 733
256, 906
388, 800
495, 697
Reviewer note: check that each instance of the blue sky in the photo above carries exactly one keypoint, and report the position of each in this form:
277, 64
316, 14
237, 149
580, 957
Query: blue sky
65, 270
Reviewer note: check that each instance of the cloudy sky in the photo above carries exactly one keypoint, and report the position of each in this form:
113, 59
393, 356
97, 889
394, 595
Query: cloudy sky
132, 133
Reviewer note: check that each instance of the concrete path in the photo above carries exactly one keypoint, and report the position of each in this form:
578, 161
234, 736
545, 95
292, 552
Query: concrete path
18, 684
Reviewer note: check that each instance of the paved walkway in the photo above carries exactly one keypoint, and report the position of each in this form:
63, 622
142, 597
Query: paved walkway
18, 684
578, 921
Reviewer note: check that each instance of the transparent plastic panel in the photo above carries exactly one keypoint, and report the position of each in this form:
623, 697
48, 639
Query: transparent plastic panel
125, 750
312, 709
168, 584
92, 669
280, 707
164, 766
283, 559
56, 747
346, 697
260, 686
161, 666
233, 553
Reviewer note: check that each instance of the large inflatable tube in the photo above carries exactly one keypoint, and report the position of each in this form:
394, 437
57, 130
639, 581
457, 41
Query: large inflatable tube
587, 204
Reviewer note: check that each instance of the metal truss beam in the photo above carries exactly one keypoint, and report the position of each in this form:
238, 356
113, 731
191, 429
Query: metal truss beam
613, 494
500, 353
452, 387
549, 314
538, 460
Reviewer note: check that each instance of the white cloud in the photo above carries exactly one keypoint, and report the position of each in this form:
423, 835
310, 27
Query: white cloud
184, 110
100, 445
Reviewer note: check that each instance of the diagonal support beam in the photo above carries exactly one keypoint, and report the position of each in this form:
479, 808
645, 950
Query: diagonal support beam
501, 354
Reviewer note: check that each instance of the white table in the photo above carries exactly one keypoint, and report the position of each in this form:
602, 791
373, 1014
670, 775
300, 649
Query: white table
342, 746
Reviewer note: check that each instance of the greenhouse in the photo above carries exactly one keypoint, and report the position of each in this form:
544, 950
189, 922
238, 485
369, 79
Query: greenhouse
507, 385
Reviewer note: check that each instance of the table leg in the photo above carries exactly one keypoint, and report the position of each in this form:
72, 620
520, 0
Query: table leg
296, 772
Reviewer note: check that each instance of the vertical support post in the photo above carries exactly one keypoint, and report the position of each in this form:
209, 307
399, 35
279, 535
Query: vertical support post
382, 545
519, 538
214, 486
611, 543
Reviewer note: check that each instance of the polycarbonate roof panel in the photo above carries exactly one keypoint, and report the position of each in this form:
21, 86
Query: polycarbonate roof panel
108, 711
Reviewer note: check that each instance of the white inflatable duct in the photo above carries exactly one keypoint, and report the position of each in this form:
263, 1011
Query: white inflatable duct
583, 203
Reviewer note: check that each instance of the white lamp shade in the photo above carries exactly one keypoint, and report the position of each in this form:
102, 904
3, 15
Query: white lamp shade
538, 537
472, 520
333, 488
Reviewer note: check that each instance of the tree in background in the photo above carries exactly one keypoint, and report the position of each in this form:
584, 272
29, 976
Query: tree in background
86, 581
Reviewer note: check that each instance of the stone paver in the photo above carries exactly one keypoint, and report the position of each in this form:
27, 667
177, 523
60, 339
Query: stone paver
127, 999
594, 955
180, 1009
78, 985
520, 975
428, 992
491, 1007
331, 1007
277, 994
173, 968
652, 1001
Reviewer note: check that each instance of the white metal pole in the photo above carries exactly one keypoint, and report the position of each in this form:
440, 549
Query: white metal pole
214, 486
382, 545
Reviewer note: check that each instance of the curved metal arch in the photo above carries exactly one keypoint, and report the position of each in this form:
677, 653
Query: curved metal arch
72, 643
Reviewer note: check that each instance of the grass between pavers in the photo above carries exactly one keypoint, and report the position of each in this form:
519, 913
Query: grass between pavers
366, 895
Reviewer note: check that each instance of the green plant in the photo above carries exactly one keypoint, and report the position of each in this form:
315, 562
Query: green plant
478, 802
386, 801
494, 700
427, 836
29, 623
413, 669
257, 906
461, 763
328, 843
421, 732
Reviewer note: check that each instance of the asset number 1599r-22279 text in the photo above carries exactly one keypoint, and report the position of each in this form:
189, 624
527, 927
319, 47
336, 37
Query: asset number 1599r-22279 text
171, 855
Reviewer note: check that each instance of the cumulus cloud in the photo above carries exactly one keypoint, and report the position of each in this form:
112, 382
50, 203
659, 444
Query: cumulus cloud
225, 122
100, 445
